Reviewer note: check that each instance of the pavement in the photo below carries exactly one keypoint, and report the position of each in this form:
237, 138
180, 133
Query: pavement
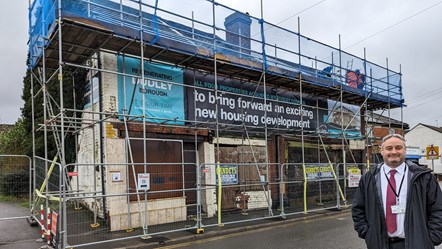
213, 231
18, 234
15, 230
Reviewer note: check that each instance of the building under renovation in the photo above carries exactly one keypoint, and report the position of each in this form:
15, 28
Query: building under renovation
195, 114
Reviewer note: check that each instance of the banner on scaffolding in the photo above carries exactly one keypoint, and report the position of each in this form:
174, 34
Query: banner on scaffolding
163, 98
342, 120
241, 102
235, 102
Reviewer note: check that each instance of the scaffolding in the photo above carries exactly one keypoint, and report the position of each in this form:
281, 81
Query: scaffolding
229, 74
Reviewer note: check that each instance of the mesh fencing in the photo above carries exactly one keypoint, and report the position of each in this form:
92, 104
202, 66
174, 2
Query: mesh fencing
15, 186
140, 200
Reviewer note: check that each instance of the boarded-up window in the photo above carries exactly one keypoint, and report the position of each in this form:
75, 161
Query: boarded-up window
164, 164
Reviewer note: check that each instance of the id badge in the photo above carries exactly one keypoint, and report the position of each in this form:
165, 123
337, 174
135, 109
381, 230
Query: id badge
397, 209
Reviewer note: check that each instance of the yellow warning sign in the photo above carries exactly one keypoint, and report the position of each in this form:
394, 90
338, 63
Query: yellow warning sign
432, 152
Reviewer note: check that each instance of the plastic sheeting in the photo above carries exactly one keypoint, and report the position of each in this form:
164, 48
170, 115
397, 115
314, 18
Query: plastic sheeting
210, 28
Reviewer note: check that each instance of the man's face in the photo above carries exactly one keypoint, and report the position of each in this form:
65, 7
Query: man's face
393, 152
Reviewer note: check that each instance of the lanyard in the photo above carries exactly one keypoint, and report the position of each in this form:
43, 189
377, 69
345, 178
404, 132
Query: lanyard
400, 186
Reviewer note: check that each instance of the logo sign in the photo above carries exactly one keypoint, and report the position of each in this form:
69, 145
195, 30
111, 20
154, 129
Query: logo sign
315, 172
144, 181
432, 152
228, 174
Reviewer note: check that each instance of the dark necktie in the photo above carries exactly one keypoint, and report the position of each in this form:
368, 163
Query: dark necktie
391, 201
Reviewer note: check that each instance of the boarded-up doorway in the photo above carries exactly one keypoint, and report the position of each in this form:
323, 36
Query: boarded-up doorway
165, 166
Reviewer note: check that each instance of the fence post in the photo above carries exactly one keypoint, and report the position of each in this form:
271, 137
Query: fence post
338, 187
42, 220
199, 228
281, 190
48, 232
220, 189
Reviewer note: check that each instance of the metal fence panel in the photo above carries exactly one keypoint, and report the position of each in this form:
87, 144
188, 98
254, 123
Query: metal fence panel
309, 187
248, 191
350, 174
47, 197
15, 197
155, 198
15, 180
137, 200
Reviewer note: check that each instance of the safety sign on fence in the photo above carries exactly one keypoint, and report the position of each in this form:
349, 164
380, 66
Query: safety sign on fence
314, 172
228, 174
144, 181
54, 222
354, 176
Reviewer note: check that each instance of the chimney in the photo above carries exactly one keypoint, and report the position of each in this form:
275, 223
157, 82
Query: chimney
238, 31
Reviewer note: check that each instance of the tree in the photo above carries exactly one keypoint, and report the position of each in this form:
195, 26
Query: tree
15, 141
69, 87
14, 172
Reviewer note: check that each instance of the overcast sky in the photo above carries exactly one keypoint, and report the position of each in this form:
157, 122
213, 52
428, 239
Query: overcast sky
407, 32
13, 51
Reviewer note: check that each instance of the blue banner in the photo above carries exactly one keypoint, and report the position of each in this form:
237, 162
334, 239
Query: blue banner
163, 99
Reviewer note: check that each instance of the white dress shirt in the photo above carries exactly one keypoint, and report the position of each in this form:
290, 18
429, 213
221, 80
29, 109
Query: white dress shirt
401, 173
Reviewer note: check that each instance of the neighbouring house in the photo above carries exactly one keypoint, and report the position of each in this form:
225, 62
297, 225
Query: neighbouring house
5, 127
422, 136
379, 126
